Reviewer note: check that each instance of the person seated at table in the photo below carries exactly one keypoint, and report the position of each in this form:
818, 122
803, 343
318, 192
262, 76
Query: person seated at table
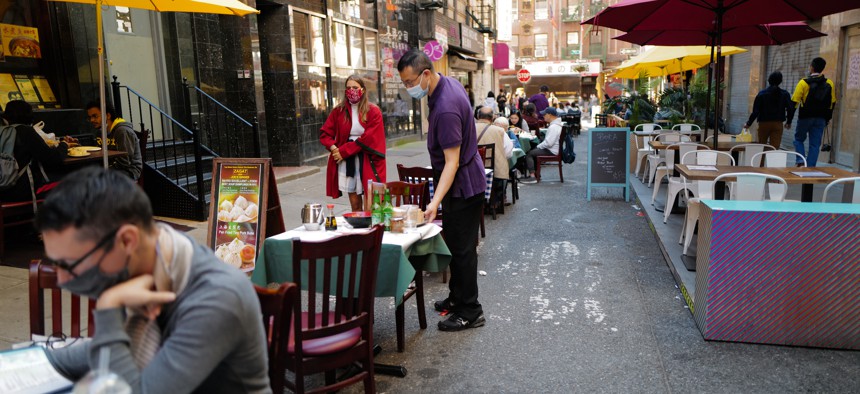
550, 144
574, 110
518, 123
531, 118
29, 149
502, 122
174, 317
488, 133
120, 136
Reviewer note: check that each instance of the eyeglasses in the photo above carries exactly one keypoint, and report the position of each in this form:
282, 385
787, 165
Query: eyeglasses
414, 81
69, 267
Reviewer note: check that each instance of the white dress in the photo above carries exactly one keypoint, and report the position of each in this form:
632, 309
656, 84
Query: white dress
347, 184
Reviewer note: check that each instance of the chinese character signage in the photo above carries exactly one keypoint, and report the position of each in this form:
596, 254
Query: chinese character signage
8, 90
237, 214
20, 41
585, 68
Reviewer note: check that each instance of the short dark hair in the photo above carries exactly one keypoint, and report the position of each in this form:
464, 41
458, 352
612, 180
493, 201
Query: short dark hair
18, 112
818, 64
108, 108
485, 113
478, 109
417, 59
774, 79
491, 94
95, 201
544, 88
530, 109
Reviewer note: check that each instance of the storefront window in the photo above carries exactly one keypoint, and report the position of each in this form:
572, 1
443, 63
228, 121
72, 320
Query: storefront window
318, 40
302, 38
372, 52
540, 46
356, 39
340, 45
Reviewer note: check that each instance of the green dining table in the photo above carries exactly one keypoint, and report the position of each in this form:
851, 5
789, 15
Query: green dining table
527, 143
516, 155
401, 256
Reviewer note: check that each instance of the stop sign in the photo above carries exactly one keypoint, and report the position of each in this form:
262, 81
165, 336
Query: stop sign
524, 75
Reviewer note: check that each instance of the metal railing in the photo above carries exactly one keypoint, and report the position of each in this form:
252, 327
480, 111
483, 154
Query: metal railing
172, 148
222, 130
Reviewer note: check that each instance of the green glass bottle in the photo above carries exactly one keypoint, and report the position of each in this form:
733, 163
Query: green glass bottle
375, 210
387, 211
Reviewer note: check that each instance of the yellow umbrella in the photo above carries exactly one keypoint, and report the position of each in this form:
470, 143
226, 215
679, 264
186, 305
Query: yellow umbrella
225, 7
659, 61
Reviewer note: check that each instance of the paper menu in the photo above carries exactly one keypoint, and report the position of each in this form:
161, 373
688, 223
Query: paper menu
28, 370
701, 168
44, 89
28, 91
812, 174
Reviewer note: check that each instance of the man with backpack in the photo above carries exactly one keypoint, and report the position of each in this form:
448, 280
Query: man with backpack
816, 97
772, 107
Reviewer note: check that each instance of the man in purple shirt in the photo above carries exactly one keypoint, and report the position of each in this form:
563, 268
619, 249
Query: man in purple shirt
539, 100
459, 179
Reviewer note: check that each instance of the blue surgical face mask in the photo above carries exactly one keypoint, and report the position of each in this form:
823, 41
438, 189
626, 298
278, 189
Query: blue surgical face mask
93, 282
417, 92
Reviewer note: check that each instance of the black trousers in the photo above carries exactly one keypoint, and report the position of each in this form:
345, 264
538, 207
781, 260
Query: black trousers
460, 223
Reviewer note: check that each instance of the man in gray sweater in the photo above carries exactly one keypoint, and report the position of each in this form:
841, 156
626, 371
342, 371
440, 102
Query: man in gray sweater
175, 318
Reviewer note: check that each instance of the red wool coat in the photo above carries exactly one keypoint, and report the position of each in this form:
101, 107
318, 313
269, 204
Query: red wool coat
335, 132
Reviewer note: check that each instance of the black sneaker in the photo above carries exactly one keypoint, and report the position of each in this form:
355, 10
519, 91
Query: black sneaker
443, 306
457, 323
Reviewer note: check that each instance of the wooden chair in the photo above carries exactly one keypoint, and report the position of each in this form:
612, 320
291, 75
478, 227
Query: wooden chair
333, 323
421, 174
44, 277
488, 154
415, 196
277, 307
553, 159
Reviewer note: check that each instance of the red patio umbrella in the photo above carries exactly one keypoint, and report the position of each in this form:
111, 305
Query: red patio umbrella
766, 34
714, 16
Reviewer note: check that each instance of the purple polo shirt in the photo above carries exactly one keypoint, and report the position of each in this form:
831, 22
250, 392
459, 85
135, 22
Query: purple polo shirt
452, 124
540, 102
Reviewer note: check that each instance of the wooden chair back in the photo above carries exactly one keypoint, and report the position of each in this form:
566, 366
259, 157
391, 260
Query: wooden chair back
44, 277
417, 175
277, 307
407, 193
339, 276
14, 214
488, 155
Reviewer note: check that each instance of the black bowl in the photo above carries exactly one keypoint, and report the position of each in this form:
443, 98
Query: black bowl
359, 219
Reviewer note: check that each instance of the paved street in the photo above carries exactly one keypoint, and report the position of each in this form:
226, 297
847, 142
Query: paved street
577, 298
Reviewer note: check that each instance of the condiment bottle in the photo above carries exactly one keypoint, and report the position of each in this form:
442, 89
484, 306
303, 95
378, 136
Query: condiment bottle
387, 211
375, 210
330, 221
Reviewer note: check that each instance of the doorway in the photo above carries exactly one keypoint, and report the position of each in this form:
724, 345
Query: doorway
845, 144
134, 53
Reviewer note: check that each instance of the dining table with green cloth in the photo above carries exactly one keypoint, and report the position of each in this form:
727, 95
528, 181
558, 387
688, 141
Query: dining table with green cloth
400, 257
527, 142
515, 155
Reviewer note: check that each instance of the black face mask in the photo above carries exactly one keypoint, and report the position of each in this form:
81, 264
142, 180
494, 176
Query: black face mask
93, 282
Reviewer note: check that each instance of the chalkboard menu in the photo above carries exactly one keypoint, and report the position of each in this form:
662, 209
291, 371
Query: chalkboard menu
608, 159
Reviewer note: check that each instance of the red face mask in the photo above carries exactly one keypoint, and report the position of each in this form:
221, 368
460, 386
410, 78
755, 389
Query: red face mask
354, 95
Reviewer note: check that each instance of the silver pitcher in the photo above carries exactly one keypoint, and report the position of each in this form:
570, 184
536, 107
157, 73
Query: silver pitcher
312, 216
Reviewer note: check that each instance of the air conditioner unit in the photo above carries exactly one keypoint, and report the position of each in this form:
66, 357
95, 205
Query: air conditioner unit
540, 52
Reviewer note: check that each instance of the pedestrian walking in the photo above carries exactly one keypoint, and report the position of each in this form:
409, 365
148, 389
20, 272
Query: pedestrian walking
459, 179
772, 107
355, 138
815, 96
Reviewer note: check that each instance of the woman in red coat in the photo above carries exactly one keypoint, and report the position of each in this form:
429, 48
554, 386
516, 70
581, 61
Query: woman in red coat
354, 135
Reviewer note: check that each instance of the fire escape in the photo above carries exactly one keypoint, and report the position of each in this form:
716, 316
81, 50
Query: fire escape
482, 17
